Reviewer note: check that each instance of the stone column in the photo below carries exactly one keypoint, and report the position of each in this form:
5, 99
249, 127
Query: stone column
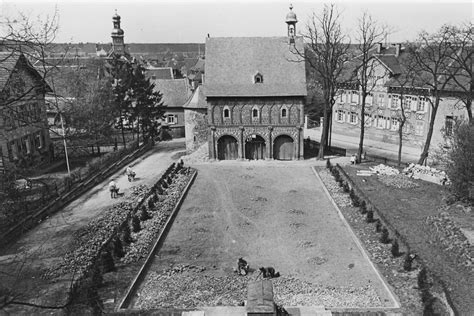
270, 143
242, 144
212, 144
299, 155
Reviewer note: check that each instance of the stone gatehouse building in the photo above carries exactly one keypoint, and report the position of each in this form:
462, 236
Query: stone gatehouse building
255, 89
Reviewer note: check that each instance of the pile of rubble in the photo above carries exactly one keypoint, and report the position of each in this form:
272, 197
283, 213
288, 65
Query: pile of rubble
384, 169
426, 173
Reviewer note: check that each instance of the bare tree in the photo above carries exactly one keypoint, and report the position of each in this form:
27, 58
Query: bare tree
326, 53
430, 58
462, 63
369, 34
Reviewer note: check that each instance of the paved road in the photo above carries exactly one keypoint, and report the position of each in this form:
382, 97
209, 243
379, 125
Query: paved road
21, 263
388, 150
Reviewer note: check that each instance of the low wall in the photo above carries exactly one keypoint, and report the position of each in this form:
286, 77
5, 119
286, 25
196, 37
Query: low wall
66, 198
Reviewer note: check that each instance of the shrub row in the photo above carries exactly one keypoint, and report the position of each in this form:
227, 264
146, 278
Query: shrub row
426, 279
112, 236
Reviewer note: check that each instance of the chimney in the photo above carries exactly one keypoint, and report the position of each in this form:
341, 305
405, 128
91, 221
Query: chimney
398, 48
379, 48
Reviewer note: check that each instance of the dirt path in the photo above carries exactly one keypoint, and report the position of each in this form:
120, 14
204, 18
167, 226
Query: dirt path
272, 214
24, 260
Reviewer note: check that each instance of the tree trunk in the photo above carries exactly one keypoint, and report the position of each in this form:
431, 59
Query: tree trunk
426, 147
123, 133
324, 135
138, 131
469, 110
400, 140
362, 130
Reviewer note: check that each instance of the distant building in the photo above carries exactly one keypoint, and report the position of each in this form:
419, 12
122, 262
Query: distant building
255, 89
176, 93
384, 102
157, 73
24, 137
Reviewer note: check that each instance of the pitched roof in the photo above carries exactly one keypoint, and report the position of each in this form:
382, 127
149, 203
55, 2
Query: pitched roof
391, 62
175, 91
159, 73
197, 101
9, 61
232, 63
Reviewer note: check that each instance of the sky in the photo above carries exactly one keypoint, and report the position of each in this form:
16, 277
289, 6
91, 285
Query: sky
186, 21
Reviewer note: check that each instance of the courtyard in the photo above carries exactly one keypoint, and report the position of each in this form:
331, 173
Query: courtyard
271, 214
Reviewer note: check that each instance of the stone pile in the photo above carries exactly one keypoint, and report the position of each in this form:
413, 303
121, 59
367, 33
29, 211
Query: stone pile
384, 169
426, 173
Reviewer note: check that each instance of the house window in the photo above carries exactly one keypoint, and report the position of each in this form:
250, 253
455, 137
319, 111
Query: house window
340, 116
284, 112
395, 101
419, 128
380, 121
421, 105
449, 126
381, 100
354, 96
353, 118
406, 102
258, 78
171, 119
414, 103
395, 124
226, 113
369, 99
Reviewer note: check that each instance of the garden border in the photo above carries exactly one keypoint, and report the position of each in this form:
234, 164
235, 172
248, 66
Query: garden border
361, 247
122, 307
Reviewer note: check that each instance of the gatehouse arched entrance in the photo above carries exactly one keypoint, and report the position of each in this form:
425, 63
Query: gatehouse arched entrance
255, 147
227, 148
284, 148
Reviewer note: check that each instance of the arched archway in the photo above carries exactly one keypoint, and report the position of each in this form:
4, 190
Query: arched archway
283, 148
227, 148
255, 147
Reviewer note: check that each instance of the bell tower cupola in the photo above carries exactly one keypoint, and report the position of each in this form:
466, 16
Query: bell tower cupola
118, 45
291, 20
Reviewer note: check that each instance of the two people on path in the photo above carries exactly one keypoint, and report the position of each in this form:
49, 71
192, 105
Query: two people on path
114, 189
130, 174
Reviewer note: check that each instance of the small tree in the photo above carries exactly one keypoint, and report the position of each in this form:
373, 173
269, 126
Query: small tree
144, 215
384, 238
135, 224
118, 248
395, 248
126, 236
461, 161
107, 261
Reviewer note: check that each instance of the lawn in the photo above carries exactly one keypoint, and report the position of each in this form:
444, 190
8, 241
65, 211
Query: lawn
272, 214
414, 212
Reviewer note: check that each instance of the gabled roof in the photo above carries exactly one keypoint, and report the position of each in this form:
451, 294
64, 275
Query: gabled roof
232, 63
391, 62
11, 60
175, 91
159, 73
197, 101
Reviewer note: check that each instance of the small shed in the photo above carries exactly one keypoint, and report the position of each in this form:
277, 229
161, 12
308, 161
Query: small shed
260, 299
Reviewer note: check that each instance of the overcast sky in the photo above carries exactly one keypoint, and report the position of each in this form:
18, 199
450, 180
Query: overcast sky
182, 21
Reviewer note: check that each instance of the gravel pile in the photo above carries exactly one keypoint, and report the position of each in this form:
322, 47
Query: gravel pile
384, 169
188, 286
200, 155
398, 181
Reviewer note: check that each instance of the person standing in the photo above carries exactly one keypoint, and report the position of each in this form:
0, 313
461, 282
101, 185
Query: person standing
113, 189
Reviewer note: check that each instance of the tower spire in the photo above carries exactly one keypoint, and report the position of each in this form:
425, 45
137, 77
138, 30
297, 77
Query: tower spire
291, 21
118, 46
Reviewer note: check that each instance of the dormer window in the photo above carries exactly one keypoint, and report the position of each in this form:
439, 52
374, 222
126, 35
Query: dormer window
258, 78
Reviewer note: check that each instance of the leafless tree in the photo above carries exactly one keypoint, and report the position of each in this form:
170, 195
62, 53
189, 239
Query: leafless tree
462, 63
369, 33
326, 51
430, 58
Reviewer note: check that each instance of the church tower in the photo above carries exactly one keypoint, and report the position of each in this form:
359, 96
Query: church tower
118, 46
291, 20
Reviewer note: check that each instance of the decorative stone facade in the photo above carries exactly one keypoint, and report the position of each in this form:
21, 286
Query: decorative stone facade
196, 128
275, 117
